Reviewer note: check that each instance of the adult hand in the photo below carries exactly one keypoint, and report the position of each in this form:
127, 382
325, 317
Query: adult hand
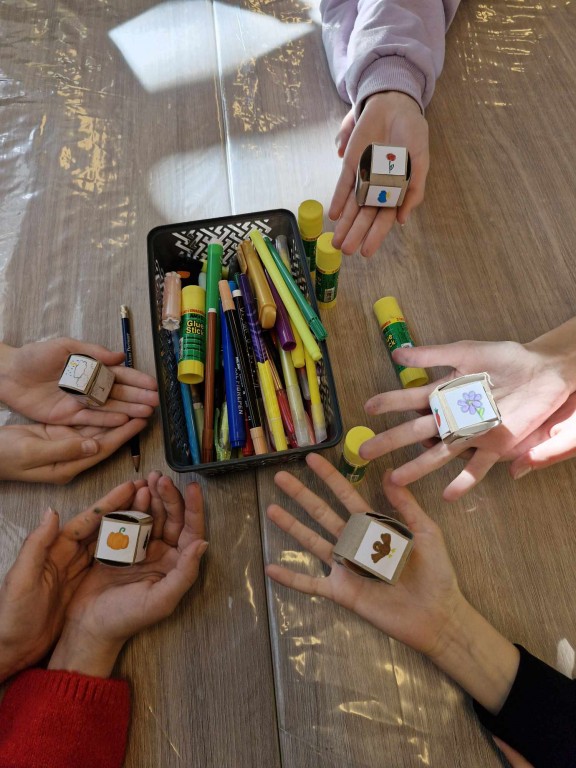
389, 118
29, 378
416, 610
530, 383
50, 565
112, 604
514, 758
551, 443
39, 453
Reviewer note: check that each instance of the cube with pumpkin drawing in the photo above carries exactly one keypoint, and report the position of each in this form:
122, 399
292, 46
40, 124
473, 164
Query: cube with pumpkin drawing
375, 546
383, 176
123, 538
464, 408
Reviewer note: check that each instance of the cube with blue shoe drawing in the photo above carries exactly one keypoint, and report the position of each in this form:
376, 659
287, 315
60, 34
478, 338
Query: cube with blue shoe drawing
383, 176
464, 408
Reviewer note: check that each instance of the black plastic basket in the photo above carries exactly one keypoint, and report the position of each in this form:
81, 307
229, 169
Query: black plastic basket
175, 247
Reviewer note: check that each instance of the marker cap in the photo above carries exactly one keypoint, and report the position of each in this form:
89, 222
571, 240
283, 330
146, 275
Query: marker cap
354, 439
310, 216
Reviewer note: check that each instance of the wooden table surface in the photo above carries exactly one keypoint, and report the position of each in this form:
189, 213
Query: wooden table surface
117, 117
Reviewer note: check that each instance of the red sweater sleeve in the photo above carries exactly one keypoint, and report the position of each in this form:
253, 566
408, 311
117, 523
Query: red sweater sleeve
58, 719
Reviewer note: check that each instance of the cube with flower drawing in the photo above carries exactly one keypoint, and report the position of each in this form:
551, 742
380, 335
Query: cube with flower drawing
464, 408
383, 176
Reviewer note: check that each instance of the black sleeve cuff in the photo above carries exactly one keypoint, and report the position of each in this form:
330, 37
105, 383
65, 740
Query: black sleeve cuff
538, 718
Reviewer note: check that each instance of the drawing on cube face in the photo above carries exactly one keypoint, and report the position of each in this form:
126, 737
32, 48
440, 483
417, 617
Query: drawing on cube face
381, 550
382, 547
118, 539
78, 370
469, 404
382, 196
386, 196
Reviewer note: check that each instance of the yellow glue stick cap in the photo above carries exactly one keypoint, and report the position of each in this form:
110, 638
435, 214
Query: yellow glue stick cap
392, 322
310, 215
328, 258
354, 439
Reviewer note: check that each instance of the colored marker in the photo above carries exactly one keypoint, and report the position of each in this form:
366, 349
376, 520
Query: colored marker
282, 325
240, 307
317, 409
233, 391
271, 407
282, 399
310, 316
252, 266
256, 430
294, 397
213, 274
295, 314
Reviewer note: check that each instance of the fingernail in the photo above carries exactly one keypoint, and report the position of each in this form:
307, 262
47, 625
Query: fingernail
521, 473
89, 447
47, 515
203, 547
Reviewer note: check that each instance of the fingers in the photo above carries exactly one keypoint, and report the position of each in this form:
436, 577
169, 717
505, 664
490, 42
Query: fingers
27, 568
558, 448
450, 355
167, 593
307, 538
40, 453
408, 433
195, 521
171, 499
515, 759
476, 469
309, 585
427, 462
343, 137
82, 526
405, 503
362, 228
97, 351
414, 399
337, 483
344, 187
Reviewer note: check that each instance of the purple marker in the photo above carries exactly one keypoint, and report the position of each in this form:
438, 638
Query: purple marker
282, 325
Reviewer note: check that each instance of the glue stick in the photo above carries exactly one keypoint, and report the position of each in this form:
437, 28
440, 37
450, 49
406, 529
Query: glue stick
396, 334
310, 215
328, 262
352, 465
192, 333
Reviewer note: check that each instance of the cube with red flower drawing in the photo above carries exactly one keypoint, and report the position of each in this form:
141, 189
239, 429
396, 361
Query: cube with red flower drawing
383, 176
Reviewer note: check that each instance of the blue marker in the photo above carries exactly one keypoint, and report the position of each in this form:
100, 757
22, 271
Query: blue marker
234, 400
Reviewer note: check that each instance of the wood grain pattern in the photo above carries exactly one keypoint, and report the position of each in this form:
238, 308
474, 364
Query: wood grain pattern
98, 151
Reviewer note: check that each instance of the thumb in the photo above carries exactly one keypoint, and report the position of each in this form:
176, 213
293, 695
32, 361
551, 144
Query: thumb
97, 351
31, 558
405, 503
45, 452
171, 589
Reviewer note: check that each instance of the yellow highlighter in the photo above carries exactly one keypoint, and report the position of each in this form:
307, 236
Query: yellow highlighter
297, 353
318, 418
291, 307
271, 405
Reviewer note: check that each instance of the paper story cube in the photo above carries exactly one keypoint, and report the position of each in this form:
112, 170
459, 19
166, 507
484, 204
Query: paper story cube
123, 538
87, 379
464, 408
375, 546
383, 176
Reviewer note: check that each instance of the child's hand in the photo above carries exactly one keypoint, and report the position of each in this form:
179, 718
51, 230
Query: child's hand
389, 118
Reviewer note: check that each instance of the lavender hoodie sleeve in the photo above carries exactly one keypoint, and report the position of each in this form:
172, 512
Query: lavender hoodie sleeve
385, 45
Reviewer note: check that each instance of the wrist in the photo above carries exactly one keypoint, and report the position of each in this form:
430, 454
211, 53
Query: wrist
392, 100
78, 651
477, 657
557, 350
